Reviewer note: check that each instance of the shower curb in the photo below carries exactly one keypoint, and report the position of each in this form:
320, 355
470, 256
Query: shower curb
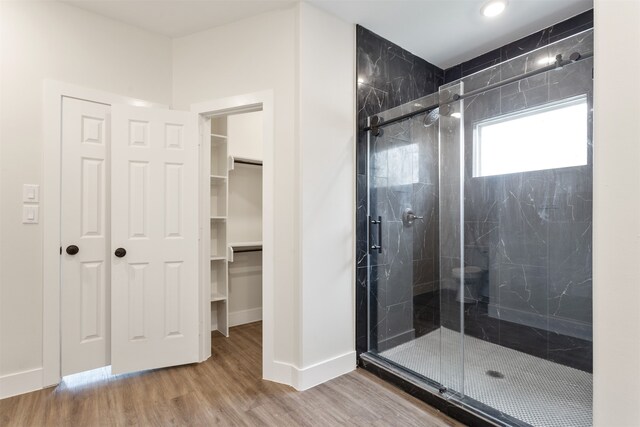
429, 392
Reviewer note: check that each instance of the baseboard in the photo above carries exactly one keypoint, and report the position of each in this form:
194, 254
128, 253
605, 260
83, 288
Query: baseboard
279, 372
311, 376
245, 316
20, 382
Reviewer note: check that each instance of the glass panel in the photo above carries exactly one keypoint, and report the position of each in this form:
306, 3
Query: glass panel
487, 289
527, 245
404, 278
391, 182
451, 256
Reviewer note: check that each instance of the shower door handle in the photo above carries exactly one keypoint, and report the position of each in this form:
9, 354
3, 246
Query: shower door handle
377, 247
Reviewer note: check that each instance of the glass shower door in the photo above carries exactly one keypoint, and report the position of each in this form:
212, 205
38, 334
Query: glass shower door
525, 217
390, 241
479, 235
404, 260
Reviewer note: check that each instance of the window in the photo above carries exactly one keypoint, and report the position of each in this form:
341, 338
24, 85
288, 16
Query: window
548, 137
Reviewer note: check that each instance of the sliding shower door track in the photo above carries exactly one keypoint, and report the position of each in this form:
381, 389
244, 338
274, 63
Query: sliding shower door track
464, 409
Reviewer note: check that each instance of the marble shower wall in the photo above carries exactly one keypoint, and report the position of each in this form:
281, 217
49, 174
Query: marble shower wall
389, 76
532, 231
559, 31
403, 175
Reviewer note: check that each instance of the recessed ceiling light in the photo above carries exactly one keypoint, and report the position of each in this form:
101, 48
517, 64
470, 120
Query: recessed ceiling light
493, 8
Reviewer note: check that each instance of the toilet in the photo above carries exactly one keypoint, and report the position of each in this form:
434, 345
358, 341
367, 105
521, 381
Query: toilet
472, 280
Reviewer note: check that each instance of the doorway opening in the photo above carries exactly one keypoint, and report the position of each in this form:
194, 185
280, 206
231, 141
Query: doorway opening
234, 171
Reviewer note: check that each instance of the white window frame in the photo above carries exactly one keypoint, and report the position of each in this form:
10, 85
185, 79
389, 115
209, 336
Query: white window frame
547, 107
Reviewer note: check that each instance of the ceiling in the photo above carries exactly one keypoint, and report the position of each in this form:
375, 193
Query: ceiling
177, 18
448, 32
443, 32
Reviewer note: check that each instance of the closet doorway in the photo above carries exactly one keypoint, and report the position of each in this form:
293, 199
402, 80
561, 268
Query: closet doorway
235, 211
237, 226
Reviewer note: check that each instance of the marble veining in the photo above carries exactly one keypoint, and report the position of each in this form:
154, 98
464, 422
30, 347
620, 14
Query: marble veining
402, 172
529, 232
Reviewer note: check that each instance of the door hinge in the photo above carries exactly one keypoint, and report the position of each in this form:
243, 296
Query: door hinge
60, 250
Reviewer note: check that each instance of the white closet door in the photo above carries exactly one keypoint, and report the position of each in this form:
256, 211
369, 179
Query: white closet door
155, 220
84, 257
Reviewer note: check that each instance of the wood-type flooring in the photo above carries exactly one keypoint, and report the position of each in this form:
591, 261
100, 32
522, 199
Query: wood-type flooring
226, 390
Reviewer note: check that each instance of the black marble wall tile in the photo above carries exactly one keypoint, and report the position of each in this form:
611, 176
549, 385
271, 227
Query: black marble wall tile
511, 222
403, 172
531, 231
362, 327
525, 44
480, 62
453, 73
571, 26
361, 221
570, 271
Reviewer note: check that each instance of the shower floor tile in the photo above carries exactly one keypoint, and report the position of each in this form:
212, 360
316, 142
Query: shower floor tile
531, 389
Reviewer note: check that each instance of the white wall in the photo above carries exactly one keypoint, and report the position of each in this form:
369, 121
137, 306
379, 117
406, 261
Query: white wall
253, 55
53, 41
616, 228
244, 222
326, 132
245, 135
307, 58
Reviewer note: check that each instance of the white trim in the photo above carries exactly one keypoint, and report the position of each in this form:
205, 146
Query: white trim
242, 317
271, 370
321, 372
20, 382
53, 92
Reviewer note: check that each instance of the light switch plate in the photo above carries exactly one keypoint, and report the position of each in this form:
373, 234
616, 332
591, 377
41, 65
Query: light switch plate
31, 193
30, 214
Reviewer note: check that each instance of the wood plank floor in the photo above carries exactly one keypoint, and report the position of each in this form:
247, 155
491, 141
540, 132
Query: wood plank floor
225, 390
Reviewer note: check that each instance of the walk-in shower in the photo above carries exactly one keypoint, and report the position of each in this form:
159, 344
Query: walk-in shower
479, 207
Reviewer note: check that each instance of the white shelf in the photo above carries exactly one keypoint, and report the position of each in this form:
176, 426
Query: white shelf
246, 244
218, 136
218, 258
239, 246
243, 160
218, 218
218, 177
217, 297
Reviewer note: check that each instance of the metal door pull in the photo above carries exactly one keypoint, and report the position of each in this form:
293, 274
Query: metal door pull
377, 247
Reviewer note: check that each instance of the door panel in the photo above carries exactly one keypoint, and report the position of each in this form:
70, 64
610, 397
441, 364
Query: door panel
85, 318
155, 219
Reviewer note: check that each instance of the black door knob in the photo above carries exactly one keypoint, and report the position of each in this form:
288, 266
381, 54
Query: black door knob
120, 252
72, 249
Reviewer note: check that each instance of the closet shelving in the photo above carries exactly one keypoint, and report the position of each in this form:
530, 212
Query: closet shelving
235, 226
219, 202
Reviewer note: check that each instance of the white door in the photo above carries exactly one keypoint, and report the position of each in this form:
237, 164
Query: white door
154, 218
85, 263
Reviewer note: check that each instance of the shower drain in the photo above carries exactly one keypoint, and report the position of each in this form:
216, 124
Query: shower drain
494, 374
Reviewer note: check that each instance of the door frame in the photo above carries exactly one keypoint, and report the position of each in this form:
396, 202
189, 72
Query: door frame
234, 104
53, 92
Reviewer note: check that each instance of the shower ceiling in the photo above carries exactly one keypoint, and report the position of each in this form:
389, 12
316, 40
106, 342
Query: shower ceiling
443, 32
